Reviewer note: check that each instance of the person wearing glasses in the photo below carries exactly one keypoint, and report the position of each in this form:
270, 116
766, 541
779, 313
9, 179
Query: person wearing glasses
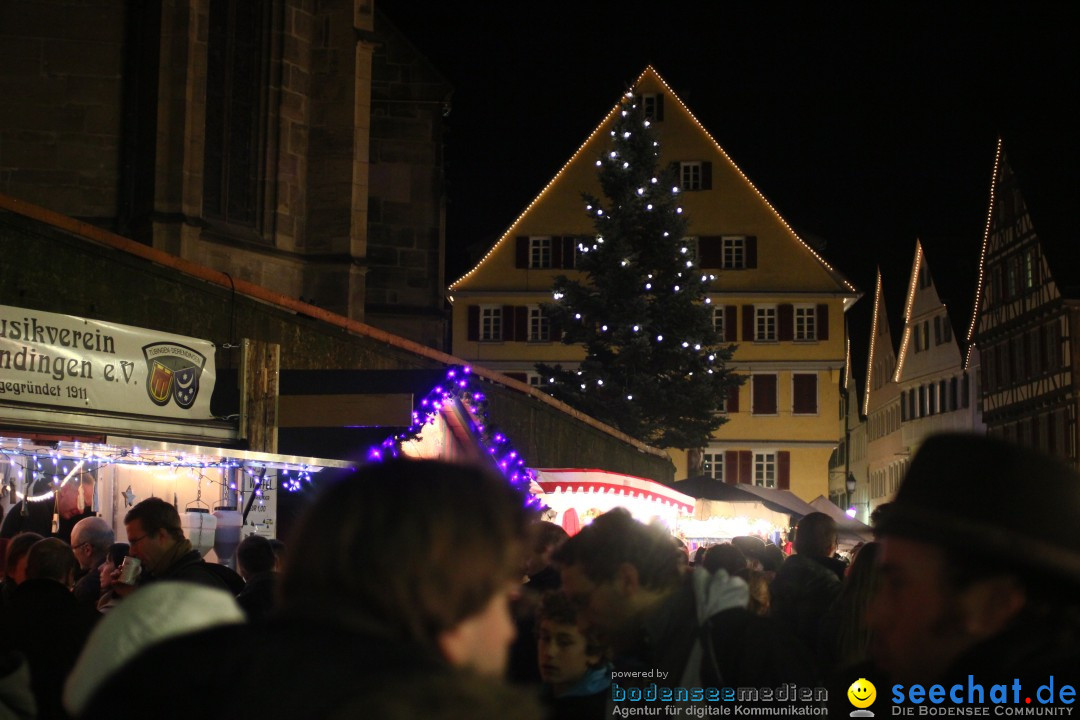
157, 540
90, 541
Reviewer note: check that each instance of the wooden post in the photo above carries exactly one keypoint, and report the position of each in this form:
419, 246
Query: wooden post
259, 375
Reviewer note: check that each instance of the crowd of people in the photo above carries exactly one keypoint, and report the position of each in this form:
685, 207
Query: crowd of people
430, 589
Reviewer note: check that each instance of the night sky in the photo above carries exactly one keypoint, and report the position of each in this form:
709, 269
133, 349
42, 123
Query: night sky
865, 127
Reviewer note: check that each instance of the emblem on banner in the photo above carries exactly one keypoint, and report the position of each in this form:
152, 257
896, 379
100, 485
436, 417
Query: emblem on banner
173, 373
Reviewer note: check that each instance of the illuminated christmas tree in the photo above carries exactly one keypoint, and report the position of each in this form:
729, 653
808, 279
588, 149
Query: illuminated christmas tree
654, 366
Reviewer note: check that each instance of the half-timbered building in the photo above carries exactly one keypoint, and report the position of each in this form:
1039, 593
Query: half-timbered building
1027, 307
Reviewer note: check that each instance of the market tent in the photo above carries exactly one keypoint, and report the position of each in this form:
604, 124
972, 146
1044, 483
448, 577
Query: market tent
577, 495
850, 528
724, 511
782, 501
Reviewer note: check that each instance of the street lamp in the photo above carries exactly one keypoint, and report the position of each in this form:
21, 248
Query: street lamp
849, 485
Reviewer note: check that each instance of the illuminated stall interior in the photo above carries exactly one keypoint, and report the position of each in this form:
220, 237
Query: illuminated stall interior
211, 487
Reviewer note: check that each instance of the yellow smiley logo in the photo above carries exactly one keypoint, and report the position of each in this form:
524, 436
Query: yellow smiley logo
862, 693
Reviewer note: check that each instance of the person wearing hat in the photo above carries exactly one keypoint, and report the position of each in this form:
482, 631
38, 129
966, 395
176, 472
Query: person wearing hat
980, 570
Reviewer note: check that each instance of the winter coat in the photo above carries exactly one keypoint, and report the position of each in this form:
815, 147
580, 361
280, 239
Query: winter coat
800, 595
51, 630
157, 612
257, 597
702, 635
288, 667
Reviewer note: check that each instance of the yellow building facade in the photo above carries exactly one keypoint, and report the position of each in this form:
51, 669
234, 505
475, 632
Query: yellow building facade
774, 297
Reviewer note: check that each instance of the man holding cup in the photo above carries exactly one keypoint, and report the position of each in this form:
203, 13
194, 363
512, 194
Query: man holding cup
157, 541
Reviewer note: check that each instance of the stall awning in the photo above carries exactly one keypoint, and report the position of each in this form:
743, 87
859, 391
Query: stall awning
849, 526
571, 480
783, 501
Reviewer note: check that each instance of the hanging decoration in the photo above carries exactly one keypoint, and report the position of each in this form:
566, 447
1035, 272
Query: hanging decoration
459, 386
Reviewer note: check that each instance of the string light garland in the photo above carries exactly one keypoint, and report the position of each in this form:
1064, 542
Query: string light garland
873, 340
26, 463
460, 387
982, 256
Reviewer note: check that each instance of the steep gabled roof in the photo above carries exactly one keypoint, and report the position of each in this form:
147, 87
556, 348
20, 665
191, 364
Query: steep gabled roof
1046, 172
909, 306
843, 284
982, 253
881, 342
924, 300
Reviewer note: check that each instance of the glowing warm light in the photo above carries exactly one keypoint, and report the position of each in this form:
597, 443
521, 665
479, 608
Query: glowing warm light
982, 255
913, 284
873, 342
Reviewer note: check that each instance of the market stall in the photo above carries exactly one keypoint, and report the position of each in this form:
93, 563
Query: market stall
125, 414
852, 531
576, 496
724, 511
222, 494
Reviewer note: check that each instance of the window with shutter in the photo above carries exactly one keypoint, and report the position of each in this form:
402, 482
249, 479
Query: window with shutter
539, 325
710, 251
763, 400
805, 322
731, 402
713, 465
690, 175
718, 316
765, 468
734, 249
730, 331
491, 323
804, 394
652, 106
764, 323
540, 252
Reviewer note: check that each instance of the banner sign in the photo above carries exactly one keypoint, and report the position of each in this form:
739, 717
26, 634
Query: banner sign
50, 359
